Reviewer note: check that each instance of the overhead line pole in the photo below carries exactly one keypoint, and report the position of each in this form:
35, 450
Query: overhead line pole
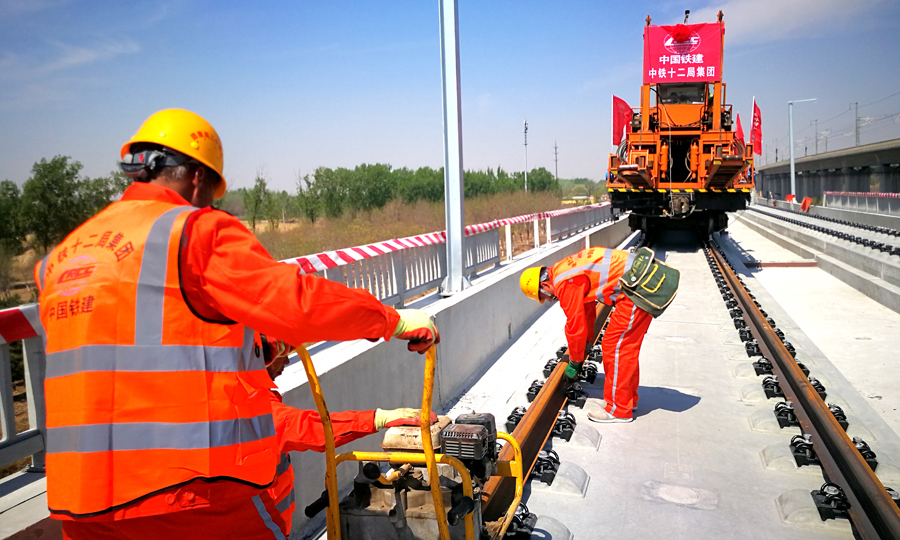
791, 141
555, 160
526, 155
455, 281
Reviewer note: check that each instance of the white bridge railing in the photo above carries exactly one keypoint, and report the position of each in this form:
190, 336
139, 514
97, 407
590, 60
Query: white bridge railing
871, 203
22, 324
397, 270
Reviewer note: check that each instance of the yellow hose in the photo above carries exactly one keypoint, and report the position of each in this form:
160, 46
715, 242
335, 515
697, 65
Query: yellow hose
332, 517
433, 477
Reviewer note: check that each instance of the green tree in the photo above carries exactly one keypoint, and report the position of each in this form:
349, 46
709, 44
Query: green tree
580, 190
51, 205
255, 201
309, 200
373, 186
425, 184
12, 230
94, 194
334, 188
541, 179
233, 201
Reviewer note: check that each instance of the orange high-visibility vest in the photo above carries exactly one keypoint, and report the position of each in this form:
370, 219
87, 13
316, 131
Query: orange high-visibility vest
603, 266
142, 394
282, 490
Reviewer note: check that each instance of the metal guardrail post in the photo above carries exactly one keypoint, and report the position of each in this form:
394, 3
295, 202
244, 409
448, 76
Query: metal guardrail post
15, 446
35, 373
509, 246
549, 234
398, 276
537, 233
7, 409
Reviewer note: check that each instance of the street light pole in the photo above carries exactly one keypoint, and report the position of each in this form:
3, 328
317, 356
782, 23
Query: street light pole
526, 155
455, 280
791, 141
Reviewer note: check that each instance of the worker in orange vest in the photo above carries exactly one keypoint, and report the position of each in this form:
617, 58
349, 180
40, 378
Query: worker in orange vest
301, 430
638, 285
159, 421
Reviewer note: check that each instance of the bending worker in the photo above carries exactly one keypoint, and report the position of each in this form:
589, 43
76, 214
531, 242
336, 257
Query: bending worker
300, 430
159, 421
638, 285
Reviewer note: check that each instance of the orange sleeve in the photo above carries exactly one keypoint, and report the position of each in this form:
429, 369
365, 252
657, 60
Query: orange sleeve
571, 293
227, 273
299, 430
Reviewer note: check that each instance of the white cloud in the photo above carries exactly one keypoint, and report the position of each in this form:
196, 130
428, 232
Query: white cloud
30, 82
761, 21
16, 67
12, 8
72, 56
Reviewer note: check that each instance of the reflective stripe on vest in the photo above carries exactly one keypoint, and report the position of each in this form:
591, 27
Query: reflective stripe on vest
158, 435
161, 358
42, 270
186, 400
597, 272
282, 489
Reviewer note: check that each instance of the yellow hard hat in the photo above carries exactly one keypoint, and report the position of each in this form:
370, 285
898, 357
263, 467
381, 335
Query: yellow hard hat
530, 282
185, 132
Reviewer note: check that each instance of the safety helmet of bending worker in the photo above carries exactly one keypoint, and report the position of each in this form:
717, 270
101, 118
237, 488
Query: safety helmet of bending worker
530, 282
189, 134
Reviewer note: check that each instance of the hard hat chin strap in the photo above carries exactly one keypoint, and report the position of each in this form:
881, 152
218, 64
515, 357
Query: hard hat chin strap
143, 166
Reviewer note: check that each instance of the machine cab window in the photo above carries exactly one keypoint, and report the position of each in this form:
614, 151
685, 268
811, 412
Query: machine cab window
678, 94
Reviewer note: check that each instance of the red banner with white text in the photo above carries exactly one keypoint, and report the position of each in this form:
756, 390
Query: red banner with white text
683, 53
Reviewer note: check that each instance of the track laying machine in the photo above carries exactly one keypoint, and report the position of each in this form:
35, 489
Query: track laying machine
680, 162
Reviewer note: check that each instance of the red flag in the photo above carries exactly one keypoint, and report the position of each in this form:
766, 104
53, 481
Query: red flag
739, 132
621, 119
756, 130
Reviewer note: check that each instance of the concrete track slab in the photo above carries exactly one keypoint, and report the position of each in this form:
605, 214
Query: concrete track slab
689, 466
858, 335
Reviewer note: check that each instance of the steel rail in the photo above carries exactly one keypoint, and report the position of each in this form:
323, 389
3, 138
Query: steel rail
873, 513
532, 433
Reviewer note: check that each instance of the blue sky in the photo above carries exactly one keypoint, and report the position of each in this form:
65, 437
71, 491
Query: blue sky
292, 86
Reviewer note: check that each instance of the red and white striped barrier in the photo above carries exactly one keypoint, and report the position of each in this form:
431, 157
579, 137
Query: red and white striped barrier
311, 264
864, 194
20, 322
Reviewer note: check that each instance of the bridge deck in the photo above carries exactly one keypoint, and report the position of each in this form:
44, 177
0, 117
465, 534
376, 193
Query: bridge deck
691, 465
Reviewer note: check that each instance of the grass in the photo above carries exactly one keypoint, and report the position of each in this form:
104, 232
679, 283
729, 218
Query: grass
397, 220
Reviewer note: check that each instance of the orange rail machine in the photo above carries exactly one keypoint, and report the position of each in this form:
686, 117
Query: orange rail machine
680, 162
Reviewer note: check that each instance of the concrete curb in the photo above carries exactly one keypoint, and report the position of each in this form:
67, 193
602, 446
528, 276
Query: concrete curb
873, 276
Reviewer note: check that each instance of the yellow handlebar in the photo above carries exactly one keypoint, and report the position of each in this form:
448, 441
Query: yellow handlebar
431, 460
433, 477
331, 516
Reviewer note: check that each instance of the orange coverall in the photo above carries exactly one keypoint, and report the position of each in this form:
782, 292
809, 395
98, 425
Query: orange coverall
621, 343
227, 275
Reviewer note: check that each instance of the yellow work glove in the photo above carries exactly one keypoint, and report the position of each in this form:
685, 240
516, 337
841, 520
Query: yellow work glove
403, 416
415, 326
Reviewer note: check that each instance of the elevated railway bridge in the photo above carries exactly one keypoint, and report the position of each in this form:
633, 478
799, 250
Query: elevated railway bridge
768, 385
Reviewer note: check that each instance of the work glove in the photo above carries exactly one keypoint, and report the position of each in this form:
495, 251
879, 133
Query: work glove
415, 325
573, 369
403, 416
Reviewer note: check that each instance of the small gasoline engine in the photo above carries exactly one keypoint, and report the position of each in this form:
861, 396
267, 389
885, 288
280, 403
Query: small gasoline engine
403, 509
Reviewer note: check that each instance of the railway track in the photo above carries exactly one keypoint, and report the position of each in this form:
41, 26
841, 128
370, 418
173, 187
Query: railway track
851, 489
851, 492
877, 238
